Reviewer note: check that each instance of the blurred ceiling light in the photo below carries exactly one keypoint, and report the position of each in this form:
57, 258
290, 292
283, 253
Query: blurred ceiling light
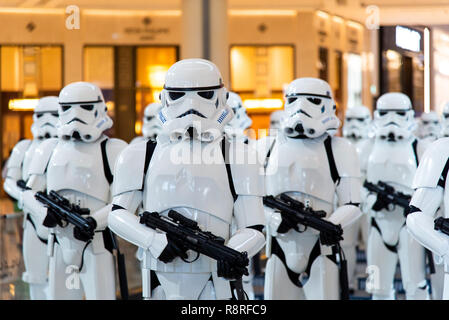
263, 103
338, 19
408, 39
22, 104
32, 10
354, 24
322, 14
261, 12
111, 12
156, 75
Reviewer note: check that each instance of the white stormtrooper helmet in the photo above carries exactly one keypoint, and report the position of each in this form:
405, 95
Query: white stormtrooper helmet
309, 109
393, 118
276, 118
240, 122
82, 113
445, 121
151, 125
194, 101
357, 123
45, 118
430, 126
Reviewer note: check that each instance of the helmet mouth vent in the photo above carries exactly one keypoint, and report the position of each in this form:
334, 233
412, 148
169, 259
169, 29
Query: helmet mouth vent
76, 135
191, 111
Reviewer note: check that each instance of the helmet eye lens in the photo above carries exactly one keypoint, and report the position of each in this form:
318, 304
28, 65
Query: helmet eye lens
149, 118
88, 107
425, 122
446, 115
39, 115
54, 114
316, 101
206, 94
382, 113
175, 95
360, 119
291, 100
401, 113
65, 107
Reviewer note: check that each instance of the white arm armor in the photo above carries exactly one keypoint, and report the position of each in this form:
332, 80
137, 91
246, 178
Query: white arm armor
432, 164
126, 224
14, 169
420, 223
30, 204
348, 189
248, 211
248, 179
127, 196
113, 149
37, 180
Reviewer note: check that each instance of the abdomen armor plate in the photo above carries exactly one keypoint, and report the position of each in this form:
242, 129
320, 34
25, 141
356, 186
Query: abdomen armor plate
78, 166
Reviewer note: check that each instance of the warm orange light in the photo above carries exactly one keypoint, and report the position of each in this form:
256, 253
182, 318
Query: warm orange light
138, 127
262, 12
322, 14
263, 103
22, 104
353, 24
110, 12
156, 75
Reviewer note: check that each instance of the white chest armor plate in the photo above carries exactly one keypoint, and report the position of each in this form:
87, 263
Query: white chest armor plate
78, 166
393, 163
199, 191
300, 166
29, 157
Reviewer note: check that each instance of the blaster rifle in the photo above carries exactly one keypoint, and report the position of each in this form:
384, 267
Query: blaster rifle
68, 212
188, 233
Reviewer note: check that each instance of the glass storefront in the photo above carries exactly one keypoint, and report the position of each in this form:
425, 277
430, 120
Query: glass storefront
103, 66
259, 75
27, 73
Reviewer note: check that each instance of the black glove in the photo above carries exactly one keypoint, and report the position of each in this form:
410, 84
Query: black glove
330, 239
230, 272
380, 204
85, 235
52, 219
287, 224
173, 249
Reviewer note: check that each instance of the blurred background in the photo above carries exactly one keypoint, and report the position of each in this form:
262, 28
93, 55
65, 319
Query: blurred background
363, 48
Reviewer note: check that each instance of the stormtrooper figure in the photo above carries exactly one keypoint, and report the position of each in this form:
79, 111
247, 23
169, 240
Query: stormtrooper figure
186, 171
393, 160
151, 125
78, 165
356, 129
431, 189
45, 119
445, 121
429, 126
235, 129
306, 162
275, 121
